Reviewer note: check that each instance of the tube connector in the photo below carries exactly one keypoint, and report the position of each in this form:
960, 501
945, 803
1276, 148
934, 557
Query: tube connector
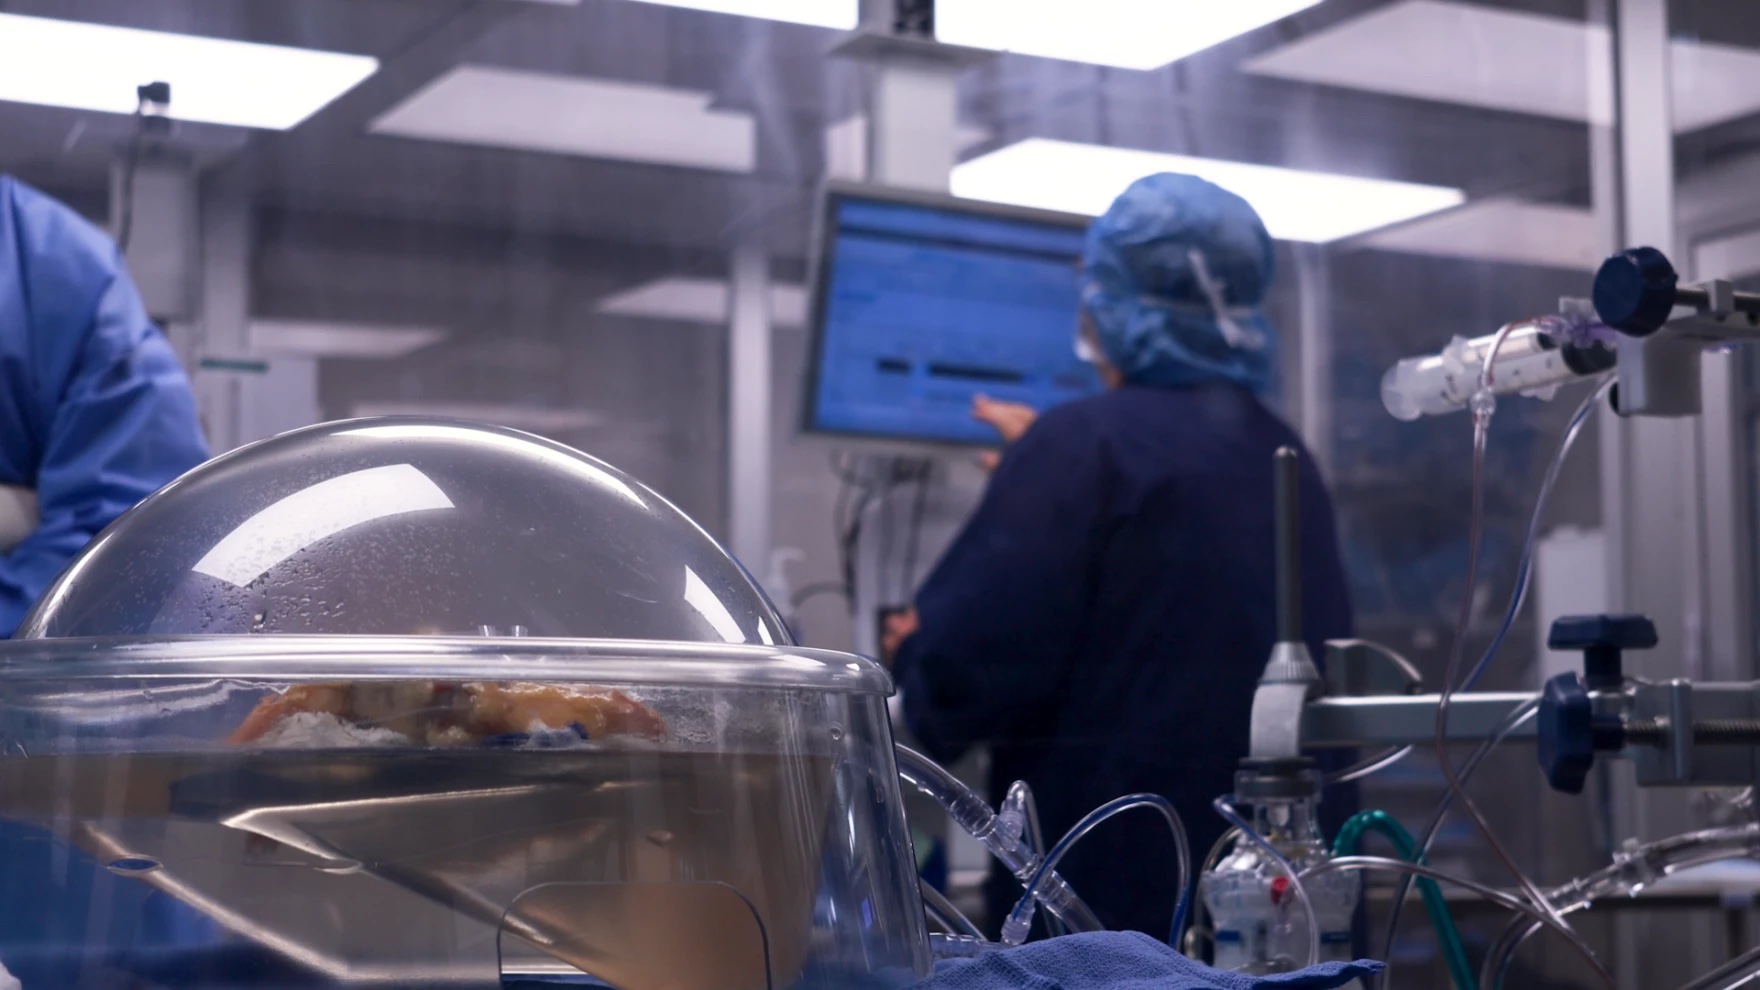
976, 818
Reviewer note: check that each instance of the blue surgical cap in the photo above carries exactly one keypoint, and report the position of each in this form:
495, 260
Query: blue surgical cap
1175, 277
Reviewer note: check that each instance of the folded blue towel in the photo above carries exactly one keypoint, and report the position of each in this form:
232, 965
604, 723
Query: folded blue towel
1120, 961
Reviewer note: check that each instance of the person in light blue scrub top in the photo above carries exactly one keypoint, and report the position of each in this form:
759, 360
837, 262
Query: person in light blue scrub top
95, 412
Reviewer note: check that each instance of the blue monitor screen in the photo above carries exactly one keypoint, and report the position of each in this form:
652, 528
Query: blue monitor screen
923, 308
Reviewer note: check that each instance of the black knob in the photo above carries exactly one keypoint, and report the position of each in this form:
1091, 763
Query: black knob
1602, 639
1566, 729
1634, 291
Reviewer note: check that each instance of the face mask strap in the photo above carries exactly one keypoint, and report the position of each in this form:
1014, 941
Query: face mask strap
1238, 337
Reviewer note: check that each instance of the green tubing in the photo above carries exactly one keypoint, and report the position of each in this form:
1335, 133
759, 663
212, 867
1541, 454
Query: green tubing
1350, 837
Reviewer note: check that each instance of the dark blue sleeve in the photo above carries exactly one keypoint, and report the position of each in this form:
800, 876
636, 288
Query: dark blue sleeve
1000, 616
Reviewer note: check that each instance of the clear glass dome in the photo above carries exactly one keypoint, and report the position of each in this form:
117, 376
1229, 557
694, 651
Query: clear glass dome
648, 788
404, 526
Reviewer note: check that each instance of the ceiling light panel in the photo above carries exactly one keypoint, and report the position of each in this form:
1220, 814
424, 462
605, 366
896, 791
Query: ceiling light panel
213, 80
701, 300
308, 338
1127, 34
573, 115
1506, 60
1502, 230
1296, 205
841, 14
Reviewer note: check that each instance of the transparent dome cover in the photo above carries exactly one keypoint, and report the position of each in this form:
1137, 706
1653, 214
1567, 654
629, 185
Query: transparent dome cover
404, 702
408, 526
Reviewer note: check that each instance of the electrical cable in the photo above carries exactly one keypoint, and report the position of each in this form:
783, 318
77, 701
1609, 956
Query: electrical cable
1233, 817
851, 511
889, 476
914, 532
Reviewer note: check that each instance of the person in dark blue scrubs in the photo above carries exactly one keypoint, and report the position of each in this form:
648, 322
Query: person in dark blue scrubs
1103, 619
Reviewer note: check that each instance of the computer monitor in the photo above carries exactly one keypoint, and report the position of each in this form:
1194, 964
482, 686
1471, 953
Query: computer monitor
923, 302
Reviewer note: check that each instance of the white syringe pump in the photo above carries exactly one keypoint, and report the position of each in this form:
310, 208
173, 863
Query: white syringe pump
1536, 357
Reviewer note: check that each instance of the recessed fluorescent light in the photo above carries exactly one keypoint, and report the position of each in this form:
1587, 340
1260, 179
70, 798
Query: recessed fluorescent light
213, 80
1503, 230
307, 338
1128, 34
818, 13
701, 300
1506, 60
1296, 205
574, 115
535, 419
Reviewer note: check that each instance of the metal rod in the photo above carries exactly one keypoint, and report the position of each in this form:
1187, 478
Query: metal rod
1287, 468
1697, 298
1712, 731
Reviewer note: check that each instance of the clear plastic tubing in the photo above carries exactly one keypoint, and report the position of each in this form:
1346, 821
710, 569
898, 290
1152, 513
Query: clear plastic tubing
1518, 716
1538, 355
944, 946
1217, 850
1637, 867
1518, 596
1483, 404
1632, 870
947, 915
1234, 818
1020, 920
971, 813
1524, 570
1020, 797
1483, 890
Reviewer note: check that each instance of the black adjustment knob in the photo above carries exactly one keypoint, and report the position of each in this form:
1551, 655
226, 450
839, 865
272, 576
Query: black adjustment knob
1602, 639
1635, 291
1565, 726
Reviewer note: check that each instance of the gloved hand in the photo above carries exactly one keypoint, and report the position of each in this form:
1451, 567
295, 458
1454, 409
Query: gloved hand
7, 980
1011, 420
1120, 961
900, 626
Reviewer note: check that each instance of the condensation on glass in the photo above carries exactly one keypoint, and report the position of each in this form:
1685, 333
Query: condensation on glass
420, 703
